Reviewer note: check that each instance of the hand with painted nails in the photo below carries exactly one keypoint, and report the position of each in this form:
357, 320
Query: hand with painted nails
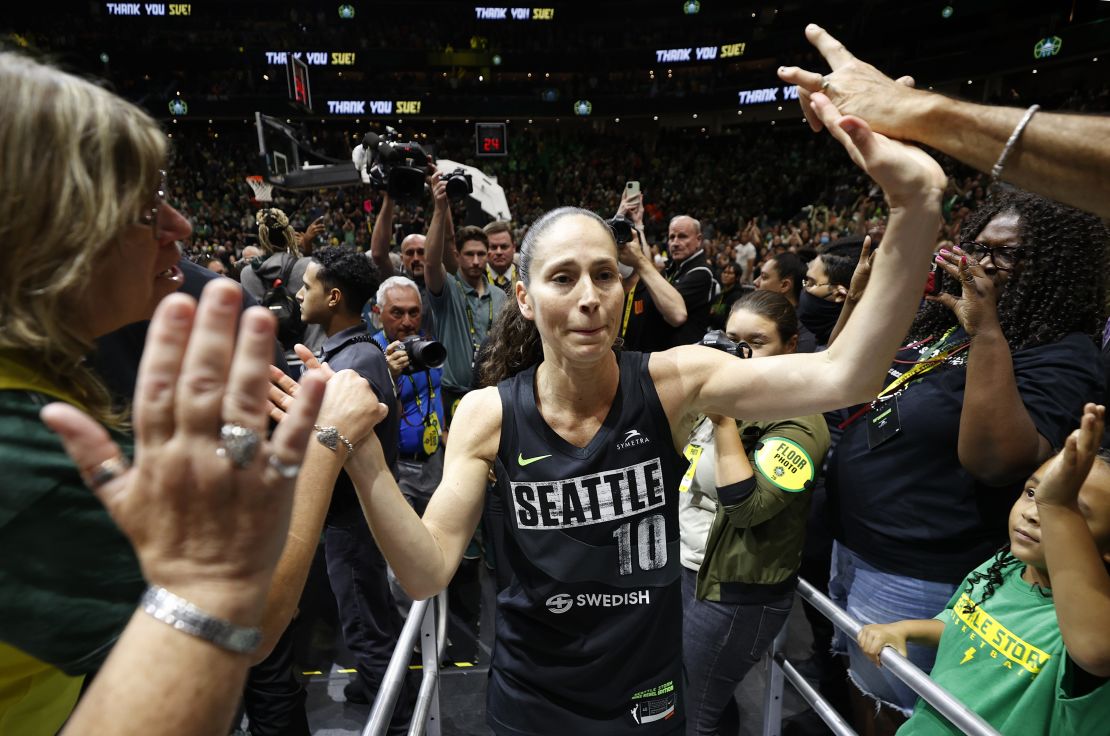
854, 87
977, 305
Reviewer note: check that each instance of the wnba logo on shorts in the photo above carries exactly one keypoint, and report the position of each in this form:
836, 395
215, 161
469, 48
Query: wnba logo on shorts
560, 603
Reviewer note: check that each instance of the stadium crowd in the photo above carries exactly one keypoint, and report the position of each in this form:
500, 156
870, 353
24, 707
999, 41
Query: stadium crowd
959, 494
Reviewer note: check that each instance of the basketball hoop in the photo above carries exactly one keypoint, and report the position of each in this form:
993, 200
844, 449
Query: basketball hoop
263, 190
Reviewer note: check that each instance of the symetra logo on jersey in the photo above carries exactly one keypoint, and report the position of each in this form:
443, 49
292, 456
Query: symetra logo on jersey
561, 602
632, 438
589, 499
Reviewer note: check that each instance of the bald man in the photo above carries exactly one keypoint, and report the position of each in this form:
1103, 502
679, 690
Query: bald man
691, 276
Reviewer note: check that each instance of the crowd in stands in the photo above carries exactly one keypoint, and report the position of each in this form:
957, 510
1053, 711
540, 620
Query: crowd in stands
889, 485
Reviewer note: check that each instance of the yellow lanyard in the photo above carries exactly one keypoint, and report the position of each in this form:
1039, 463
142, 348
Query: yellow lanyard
934, 359
627, 310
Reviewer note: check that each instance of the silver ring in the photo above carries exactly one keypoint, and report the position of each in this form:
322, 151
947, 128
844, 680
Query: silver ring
106, 471
969, 279
285, 470
238, 443
825, 83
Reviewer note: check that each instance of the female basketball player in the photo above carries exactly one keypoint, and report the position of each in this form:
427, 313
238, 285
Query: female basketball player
583, 439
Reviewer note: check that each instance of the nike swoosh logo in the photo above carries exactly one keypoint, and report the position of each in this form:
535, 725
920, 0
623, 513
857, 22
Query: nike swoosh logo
522, 461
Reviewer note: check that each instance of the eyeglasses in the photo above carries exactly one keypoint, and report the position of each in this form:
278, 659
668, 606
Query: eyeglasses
155, 217
1004, 257
810, 283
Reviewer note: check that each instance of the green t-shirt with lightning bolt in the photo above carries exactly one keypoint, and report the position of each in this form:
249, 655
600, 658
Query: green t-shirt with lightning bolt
1006, 661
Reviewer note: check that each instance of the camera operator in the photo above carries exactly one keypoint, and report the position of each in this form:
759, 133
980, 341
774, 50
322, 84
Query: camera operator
419, 387
652, 304
464, 304
412, 247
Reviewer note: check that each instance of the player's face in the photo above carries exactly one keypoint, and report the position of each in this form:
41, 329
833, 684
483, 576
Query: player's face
575, 293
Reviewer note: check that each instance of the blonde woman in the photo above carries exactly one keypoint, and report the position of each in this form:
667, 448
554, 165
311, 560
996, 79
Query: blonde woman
90, 245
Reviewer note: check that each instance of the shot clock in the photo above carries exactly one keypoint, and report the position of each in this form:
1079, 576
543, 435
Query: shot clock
490, 139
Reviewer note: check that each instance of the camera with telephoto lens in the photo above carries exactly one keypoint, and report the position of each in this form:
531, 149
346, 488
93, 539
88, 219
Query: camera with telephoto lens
423, 354
622, 229
395, 166
717, 340
459, 183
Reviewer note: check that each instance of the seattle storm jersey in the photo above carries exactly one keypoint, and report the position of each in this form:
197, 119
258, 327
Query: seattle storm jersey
589, 631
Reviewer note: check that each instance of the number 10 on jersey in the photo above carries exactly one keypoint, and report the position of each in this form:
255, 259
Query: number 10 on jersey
650, 542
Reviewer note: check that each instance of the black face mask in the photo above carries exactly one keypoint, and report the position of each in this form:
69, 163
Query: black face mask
818, 315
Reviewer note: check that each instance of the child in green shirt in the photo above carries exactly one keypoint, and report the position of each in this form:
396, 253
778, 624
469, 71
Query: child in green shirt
1023, 643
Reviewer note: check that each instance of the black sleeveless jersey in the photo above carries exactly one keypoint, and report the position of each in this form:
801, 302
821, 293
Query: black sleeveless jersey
589, 631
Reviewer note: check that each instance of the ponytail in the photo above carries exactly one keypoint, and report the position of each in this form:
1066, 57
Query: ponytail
514, 346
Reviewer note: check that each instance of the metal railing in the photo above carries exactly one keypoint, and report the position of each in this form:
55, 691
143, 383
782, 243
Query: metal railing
427, 620
780, 669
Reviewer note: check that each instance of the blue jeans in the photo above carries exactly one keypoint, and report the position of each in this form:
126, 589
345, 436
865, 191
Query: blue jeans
872, 596
720, 643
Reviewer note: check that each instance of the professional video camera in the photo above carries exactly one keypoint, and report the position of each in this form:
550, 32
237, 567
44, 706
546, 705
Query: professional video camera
423, 354
717, 340
395, 166
459, 183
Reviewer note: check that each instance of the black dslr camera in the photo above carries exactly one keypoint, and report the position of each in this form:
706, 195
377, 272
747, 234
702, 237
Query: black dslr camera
423, 354
622, 229
395, 166
717, 340
459, 183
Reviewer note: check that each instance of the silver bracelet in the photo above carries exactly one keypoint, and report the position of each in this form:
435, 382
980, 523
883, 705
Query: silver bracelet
184, 616
330, 438
996, 170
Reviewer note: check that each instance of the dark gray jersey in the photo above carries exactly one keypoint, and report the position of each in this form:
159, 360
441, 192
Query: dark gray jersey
589, 630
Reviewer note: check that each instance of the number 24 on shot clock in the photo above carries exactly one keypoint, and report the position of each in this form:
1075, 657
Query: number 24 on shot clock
490, 139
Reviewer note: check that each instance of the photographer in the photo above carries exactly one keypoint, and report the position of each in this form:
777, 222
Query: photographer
464, 304
419, 387
743, 522
651, 302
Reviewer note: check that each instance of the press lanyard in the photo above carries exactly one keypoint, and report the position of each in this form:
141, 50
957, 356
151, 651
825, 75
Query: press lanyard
474, 342
932, 359
419, 404
627, 310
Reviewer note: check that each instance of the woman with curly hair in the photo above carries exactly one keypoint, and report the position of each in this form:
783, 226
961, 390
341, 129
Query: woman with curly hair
998, 364
586, 440
1023, 642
